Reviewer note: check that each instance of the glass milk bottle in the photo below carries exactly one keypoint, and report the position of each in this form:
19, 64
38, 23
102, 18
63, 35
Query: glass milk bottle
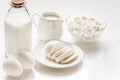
18, 28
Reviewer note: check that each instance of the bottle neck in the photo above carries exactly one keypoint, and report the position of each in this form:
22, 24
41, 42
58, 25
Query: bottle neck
18, 9
18, 5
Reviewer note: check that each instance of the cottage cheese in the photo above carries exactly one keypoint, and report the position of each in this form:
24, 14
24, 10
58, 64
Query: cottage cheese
85, 28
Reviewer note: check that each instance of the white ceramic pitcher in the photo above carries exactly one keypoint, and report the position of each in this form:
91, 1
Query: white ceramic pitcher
49, 25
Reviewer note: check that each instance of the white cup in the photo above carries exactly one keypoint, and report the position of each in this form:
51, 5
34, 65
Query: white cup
49, 25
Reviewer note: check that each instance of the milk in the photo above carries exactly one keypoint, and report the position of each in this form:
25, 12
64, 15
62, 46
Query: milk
51, 17
18, 33
49, 25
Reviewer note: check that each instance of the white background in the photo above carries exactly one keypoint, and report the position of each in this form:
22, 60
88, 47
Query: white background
101, 60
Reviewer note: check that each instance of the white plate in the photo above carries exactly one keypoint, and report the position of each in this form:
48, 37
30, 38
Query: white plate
41, 57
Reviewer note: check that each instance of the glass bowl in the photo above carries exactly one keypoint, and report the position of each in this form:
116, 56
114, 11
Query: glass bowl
85, 28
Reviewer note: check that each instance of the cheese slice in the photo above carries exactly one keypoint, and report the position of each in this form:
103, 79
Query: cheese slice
59, 52
52, 47
67, 53
69, 59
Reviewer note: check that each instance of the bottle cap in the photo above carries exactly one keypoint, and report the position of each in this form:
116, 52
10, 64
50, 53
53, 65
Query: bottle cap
18, 2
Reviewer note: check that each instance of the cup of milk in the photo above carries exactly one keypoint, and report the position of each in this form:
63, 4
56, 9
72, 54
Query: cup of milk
49, 25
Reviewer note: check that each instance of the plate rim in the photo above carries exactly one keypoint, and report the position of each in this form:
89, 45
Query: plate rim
81, 55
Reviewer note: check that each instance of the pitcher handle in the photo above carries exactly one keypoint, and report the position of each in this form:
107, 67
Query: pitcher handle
36, 22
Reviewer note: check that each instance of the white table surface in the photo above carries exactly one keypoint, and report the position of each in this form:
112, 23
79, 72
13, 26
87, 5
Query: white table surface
101, 60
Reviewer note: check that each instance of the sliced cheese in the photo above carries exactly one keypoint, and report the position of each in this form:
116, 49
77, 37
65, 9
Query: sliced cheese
67, 53
59, 52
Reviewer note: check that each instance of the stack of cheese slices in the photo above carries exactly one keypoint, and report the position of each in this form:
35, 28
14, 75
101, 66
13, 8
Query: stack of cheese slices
60, 52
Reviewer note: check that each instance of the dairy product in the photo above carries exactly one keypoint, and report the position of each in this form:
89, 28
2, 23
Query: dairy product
52, 46
18, 33
59, 51
86, 29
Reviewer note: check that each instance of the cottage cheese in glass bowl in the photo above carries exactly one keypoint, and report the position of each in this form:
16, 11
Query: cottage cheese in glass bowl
85, 28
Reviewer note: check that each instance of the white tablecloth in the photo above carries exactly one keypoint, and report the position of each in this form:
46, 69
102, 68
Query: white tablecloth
101, 60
